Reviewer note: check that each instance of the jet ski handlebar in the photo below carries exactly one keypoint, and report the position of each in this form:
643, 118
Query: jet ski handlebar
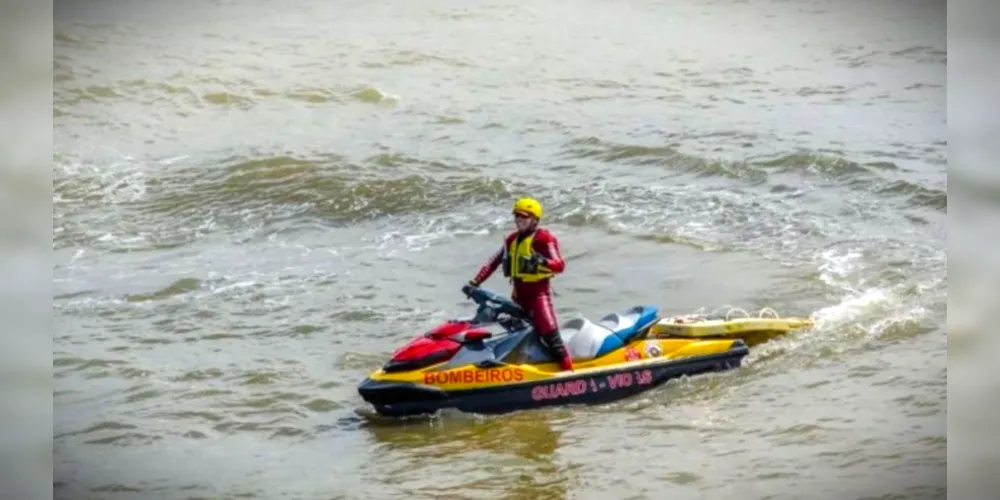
489, 300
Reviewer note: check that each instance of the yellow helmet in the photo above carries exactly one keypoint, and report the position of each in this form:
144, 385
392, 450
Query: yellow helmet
528, 206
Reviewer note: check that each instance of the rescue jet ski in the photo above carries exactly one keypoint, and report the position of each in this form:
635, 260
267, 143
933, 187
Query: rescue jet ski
494, 363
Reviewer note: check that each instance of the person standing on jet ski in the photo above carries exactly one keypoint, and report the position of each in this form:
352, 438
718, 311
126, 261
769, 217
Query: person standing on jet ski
530, 257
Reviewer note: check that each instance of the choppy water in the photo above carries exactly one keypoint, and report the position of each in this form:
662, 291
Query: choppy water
254, 204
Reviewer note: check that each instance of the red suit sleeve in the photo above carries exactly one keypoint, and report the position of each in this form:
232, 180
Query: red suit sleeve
493, 262
547, 244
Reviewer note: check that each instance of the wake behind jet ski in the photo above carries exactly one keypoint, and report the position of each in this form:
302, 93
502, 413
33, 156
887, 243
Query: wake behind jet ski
494, 363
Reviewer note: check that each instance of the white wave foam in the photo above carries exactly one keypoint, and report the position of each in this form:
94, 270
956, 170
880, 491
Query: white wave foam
861, 314
837, 265
853, 308
428, 232
116, 183
871, 308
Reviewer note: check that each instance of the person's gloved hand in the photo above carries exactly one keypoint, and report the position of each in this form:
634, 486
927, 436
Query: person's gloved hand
538, 260
469, 287
530, 264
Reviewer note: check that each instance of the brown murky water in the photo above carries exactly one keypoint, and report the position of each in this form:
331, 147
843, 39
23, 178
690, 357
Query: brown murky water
254, 204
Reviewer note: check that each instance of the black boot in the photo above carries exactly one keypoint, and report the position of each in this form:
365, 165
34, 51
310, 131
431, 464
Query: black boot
554, 343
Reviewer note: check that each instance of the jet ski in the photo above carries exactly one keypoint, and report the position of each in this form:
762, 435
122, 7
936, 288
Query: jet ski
493, 362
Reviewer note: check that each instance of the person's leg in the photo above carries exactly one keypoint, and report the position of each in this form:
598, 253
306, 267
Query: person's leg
547, 327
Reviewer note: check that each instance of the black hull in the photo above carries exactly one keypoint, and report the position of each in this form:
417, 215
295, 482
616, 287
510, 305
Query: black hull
400, 399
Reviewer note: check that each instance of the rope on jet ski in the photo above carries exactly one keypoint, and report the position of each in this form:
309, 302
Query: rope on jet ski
766, 311
745, 313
